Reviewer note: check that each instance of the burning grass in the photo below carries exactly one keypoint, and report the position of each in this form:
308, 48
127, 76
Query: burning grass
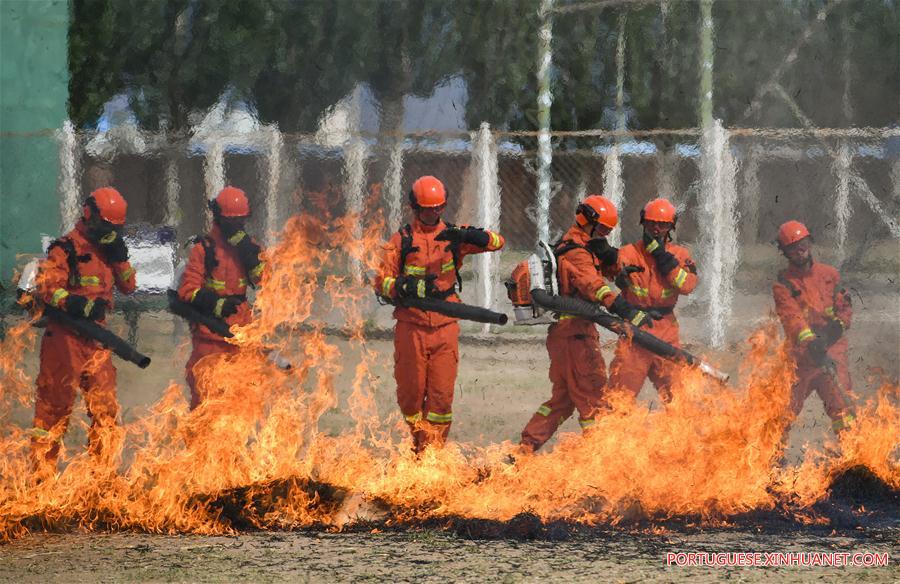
251, 457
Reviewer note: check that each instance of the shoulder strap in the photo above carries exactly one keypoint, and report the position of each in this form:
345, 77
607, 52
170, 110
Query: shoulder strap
782, 279
406, 245
564, 246
457, 259
209, 255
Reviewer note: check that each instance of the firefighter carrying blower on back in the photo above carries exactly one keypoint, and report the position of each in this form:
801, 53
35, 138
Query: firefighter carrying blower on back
78, 277
653, 273
423, 260
577, 369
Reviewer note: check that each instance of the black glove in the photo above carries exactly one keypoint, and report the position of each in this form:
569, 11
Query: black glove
248, 253
205, 300
412, 287
831, 332
470, 235
622, 280
817, 349
82, 307
115, 251
607, 254
226, 306
665, 261
632, 314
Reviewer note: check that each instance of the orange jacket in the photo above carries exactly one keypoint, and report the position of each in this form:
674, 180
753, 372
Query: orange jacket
95, 276
651, 289
580, 274
427, 257
227, 278
805, 299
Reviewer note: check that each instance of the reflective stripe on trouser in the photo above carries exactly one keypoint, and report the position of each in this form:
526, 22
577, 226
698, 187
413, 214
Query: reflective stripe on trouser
632, 364
203, 347
578, 375
70, 362
832, 388
425, 365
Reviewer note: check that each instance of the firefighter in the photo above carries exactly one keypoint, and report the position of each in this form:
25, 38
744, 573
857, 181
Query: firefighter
815, 311
577, 369
424, 260
653, 273
220, 267
78, 276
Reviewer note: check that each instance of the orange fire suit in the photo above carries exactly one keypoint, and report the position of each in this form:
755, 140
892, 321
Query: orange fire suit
649, 289
225, 276
426, 344
805, 300
69, 361
577, 369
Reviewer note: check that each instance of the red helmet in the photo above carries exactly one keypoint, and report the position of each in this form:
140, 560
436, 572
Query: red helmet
232, 202
791, 232
659, 210
428, 191
109, 203
597, 209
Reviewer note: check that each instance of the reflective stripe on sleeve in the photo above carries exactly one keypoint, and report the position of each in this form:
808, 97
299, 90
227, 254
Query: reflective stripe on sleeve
413, 418
258, 270
411, 270
805, 334
495, 239
218, 309
680, 278
603, 291
58, 295
451, 265
89, 280
386, 285
194, 294
638, 291
215, 284
544, 410
126, 274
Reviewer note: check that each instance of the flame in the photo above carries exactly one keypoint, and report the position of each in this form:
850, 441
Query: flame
252, 454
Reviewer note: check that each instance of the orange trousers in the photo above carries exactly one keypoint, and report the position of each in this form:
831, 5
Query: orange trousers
632, 364
833, 385
426, 360
203, 346
70, 362
578, 375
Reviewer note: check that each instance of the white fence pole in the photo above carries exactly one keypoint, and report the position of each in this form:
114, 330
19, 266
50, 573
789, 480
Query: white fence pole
488, 190
69, 173
545, 99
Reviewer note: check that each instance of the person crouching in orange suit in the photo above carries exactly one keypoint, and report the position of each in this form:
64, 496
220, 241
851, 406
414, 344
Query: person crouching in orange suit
577, 369
78, 277
423, 260
219, 268
653, 273
815, 311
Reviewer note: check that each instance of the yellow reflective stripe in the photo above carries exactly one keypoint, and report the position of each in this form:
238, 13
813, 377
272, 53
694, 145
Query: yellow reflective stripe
58, 295
640, 316
126, 274
844, 422
805, 334
108, 238
638, 291
544, 410
495, 239
830, 311
667, 292
242, 281
603, 291
420, 288
652, 246
88, 307
680, 278
194, 294
564, 316
257, 271
89, 280
411, 270
215, 284
413, 418
236, 238
448, 266
386, 286
218, 309
38, 432
586, 423
439, 418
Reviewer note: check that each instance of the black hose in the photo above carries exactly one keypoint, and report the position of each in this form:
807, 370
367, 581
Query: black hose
189, 312
455, 310
92, 330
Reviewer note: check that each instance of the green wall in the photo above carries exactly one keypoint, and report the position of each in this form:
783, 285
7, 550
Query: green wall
33, 94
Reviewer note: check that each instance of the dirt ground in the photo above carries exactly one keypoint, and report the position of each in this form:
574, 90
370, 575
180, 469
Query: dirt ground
502, 380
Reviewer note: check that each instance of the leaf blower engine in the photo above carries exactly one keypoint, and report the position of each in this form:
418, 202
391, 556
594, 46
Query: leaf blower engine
538, 271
